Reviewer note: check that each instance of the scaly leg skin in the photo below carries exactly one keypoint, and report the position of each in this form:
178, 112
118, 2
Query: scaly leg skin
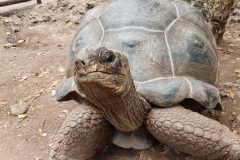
192, 133
83, 133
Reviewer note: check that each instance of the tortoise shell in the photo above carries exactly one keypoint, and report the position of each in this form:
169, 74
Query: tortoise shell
171, 50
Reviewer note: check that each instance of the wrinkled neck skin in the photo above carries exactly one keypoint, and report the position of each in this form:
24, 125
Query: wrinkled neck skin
123, 107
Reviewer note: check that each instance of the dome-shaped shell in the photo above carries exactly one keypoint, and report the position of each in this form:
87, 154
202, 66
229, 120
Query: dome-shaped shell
171, 50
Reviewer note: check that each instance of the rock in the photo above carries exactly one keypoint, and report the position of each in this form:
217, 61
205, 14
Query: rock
235, 15
216, 13
44, 134
232, 31
19, 108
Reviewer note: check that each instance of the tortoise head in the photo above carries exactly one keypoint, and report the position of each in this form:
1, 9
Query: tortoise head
103, 75
101, 68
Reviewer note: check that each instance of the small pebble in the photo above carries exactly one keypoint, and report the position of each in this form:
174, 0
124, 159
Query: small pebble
53, 92
44, 134
19, 108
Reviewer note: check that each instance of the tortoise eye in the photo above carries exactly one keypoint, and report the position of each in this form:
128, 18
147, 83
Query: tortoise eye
108, 57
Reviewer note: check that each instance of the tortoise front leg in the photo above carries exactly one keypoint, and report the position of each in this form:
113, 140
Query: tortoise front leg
192, 133
83, 133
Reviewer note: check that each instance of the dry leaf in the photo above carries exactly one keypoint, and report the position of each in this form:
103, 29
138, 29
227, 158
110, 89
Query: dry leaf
231, 94
61, 69
7, 20
232, 45
21, 41
69, 23
56, 82
22, 116
230, 51
237, 31
65, 111
23, 78
237, 71
62, 116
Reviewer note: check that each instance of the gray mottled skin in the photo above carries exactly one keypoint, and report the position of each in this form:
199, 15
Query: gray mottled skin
83, 133
164, 53
192, 133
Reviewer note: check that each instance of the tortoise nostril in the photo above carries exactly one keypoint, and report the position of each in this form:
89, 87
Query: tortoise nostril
83, 63
80, 63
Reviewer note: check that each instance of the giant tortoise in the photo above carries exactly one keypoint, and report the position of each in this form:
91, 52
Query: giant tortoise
139, 69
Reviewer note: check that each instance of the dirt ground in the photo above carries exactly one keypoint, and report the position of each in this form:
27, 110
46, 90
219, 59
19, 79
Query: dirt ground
30, 69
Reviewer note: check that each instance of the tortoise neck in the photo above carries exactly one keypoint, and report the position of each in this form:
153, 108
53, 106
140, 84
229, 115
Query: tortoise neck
125, 111
131, 112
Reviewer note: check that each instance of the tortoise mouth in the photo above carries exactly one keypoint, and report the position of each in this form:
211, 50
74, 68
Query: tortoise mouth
89, 72
94, 75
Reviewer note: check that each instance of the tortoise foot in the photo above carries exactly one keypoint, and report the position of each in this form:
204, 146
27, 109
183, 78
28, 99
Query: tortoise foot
194, 134
83, 133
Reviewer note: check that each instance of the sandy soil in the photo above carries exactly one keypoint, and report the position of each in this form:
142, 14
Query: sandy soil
30, 70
